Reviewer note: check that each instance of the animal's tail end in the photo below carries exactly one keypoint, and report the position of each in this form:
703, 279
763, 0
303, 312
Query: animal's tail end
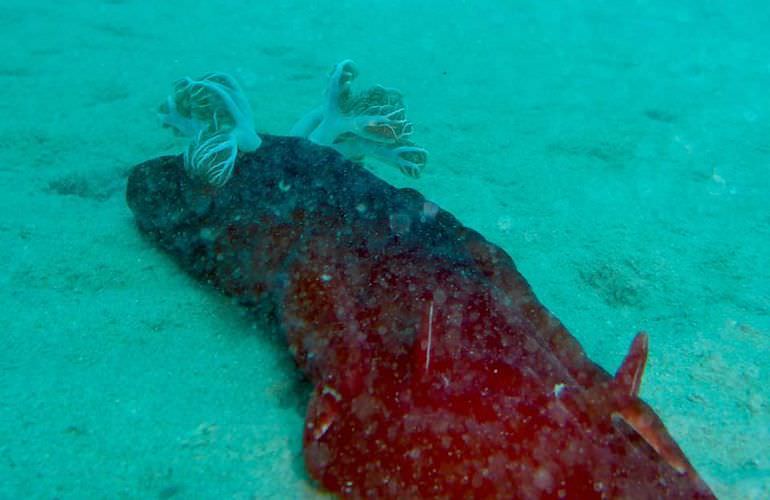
637, 414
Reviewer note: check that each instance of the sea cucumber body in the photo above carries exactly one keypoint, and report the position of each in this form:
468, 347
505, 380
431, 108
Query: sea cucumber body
436, 371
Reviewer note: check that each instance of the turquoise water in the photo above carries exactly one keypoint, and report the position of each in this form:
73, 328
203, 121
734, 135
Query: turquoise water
619, 151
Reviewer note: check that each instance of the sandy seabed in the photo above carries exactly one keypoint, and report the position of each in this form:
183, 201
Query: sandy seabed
620, 153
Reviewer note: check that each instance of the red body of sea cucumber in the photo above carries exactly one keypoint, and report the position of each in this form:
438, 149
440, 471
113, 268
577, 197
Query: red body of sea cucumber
437, 373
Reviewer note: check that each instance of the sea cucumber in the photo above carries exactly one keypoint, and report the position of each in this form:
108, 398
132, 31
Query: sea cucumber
436, 371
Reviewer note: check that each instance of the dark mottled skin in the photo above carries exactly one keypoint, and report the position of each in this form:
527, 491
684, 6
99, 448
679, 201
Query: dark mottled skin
437, 372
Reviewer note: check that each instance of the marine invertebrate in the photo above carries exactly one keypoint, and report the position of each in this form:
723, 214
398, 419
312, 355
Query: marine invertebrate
369, 124
437, 372
213, 111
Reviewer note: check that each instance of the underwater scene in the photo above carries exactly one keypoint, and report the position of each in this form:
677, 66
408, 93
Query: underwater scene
384, 249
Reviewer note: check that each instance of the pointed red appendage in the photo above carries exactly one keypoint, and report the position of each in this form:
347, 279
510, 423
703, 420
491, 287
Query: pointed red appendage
628, 378
322, 412
638, 415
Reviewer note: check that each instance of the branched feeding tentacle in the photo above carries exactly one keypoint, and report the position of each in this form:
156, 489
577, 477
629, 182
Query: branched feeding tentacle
372, 123
213, 111
211, 158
